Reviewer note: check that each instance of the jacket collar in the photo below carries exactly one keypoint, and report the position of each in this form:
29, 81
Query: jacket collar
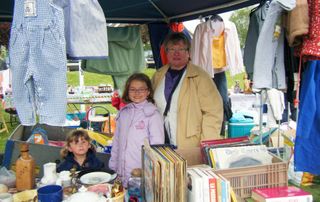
147, 108
70, 156
190, 71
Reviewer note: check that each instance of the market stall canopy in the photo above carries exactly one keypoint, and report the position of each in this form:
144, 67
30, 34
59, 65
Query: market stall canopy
144, 11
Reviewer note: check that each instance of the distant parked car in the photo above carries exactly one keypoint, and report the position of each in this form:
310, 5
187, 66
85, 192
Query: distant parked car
149, 59
73, 65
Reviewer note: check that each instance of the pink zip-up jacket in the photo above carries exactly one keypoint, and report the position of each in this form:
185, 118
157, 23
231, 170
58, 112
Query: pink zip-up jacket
135, 122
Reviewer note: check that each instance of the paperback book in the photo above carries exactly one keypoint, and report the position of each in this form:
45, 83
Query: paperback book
281, 194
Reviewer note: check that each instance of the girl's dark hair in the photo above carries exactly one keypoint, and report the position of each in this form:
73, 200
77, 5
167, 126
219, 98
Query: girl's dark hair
137, 77
76, 136
176, 37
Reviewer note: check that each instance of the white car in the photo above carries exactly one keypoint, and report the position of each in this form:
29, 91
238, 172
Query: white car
149, 59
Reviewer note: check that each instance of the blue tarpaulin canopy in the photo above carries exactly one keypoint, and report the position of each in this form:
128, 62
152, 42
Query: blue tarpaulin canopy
145, 11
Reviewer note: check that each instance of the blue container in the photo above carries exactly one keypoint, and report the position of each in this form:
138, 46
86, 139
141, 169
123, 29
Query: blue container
50, 193
78, 115
239, 129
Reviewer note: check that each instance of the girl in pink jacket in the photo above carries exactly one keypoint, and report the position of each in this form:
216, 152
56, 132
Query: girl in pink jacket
138, 120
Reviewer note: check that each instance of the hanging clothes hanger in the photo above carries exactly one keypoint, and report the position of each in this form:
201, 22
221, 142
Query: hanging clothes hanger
214, 18
262, 2
201, 19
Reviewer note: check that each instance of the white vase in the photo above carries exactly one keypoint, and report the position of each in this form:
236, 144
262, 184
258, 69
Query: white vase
49, 174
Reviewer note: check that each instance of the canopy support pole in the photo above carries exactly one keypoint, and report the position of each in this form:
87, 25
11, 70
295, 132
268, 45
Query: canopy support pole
166, 19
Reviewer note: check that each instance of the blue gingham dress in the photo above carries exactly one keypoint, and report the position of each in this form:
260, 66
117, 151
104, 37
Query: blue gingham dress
38, 61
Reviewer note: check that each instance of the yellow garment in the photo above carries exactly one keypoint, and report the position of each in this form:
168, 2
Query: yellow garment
218, 52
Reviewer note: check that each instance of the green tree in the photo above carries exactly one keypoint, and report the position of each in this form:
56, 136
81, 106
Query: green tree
3, 52
241, 19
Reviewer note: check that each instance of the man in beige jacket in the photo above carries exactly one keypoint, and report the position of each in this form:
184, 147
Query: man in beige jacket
196, 110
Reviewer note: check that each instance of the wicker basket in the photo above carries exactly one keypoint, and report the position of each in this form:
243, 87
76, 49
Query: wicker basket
243, 180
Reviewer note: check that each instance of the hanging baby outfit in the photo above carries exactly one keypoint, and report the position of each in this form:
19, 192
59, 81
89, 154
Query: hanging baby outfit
38, 62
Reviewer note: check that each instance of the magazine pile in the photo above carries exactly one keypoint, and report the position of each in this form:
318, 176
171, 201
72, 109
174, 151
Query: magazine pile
164, 174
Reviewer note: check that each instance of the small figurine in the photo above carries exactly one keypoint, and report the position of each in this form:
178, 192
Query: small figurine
73, 176
246, 85
117, 188
237, 88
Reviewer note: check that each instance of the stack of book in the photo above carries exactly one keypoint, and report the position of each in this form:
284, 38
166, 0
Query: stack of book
206, 186
164, 174
281, 194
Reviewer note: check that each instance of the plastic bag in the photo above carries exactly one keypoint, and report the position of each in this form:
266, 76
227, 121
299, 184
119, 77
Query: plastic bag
7, 177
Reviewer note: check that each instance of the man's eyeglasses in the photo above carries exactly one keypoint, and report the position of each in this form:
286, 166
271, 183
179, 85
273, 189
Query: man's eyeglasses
178, 50
141, 90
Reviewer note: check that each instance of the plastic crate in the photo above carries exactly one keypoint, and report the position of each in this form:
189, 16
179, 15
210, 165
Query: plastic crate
239, 129
243, 180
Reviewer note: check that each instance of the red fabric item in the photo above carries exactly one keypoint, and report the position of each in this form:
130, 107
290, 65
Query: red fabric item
176, 26
163, 55
311, 44
116, 101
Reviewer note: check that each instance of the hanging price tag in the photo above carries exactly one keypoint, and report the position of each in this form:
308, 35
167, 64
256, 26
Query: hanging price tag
30, 9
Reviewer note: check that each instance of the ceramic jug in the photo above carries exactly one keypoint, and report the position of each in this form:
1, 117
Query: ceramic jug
50, 174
